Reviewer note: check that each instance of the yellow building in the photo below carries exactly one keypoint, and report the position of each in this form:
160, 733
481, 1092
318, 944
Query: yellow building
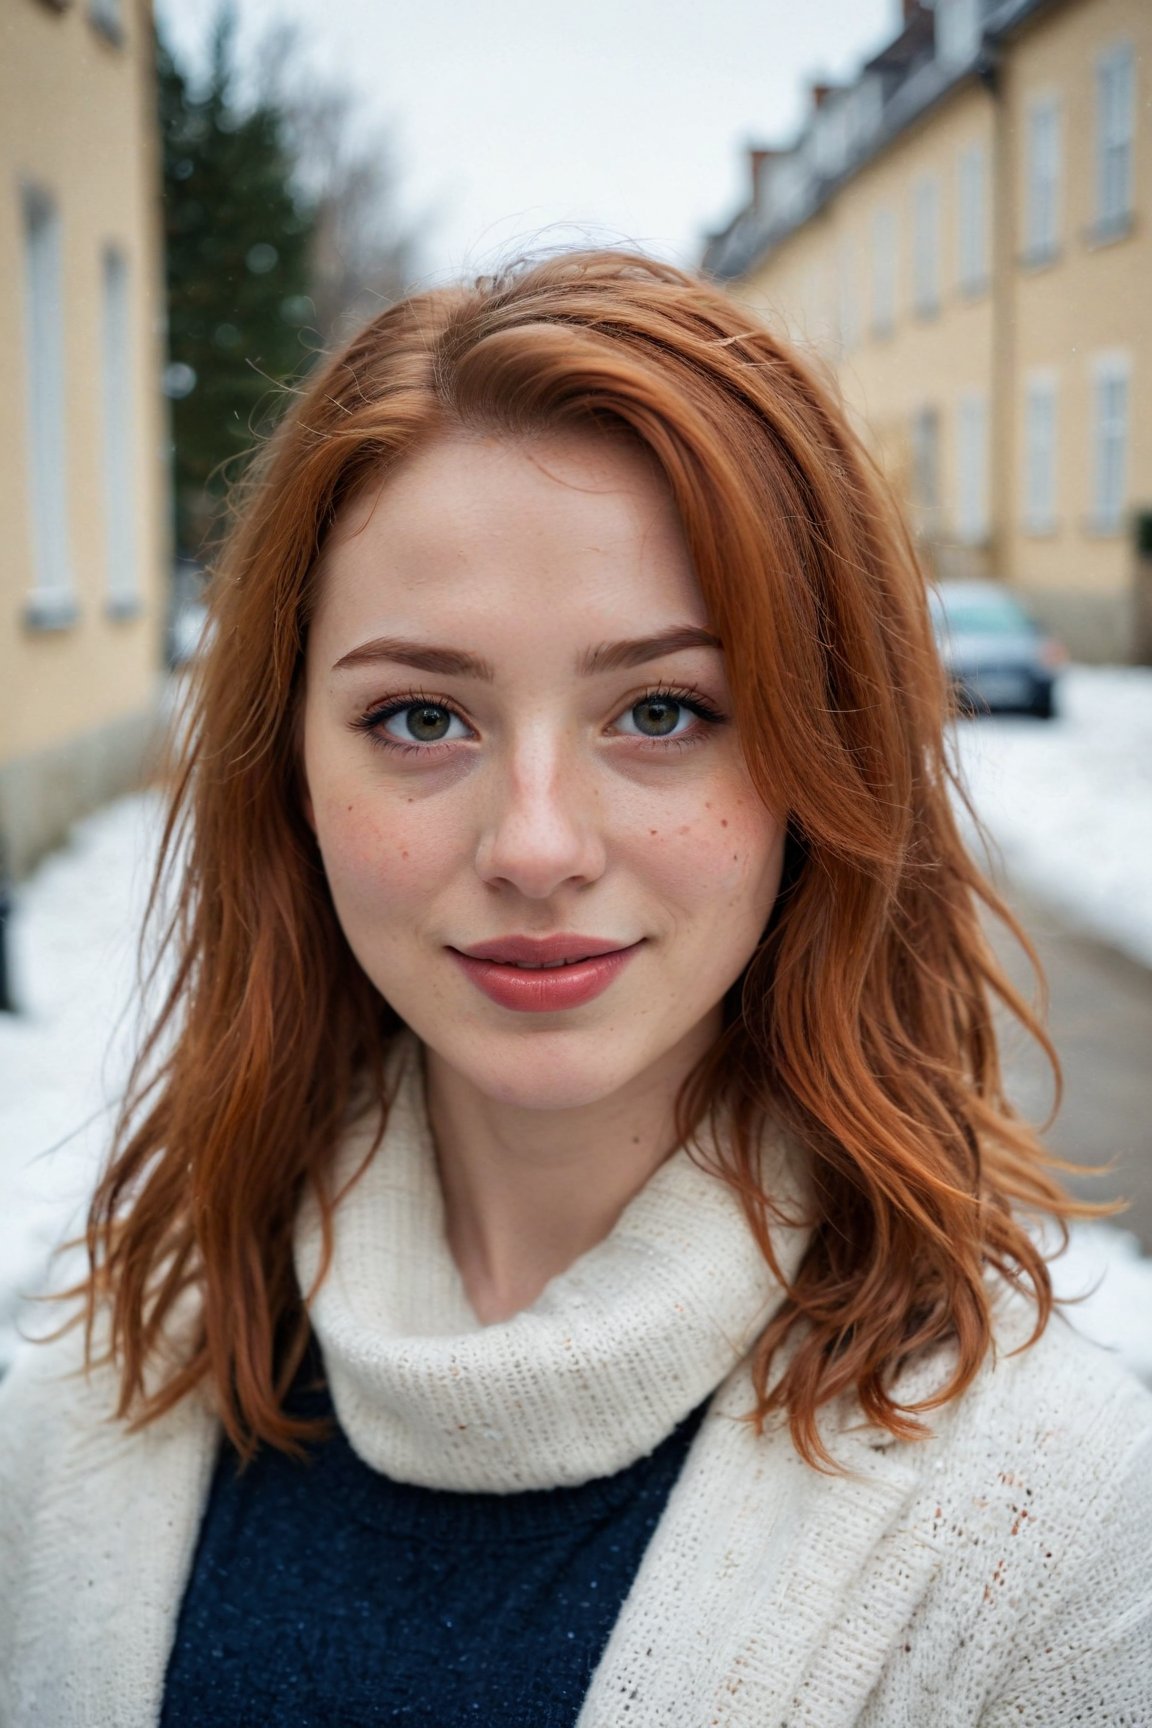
83, 487
964, 234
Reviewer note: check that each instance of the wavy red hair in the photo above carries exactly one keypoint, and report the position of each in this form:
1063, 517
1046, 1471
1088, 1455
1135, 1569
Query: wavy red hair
865, 1017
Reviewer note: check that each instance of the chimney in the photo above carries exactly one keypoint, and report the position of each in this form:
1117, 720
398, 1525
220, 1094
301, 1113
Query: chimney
820, 94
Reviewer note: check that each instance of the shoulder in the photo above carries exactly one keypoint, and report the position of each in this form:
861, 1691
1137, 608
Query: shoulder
87, 1501
1044, 1445
1062, 1408
48, 1399
1035, 1496
47, 1383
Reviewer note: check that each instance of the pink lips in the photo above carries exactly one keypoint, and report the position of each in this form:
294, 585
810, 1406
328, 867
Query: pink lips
501, 969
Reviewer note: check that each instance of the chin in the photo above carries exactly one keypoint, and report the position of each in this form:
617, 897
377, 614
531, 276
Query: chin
544, 1070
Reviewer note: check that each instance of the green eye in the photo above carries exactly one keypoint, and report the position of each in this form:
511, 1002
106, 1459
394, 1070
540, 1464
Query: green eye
657, 716
427, 723
419, 723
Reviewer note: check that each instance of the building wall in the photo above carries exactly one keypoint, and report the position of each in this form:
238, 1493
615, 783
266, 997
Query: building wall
79, 685
1091, 301
1027, 325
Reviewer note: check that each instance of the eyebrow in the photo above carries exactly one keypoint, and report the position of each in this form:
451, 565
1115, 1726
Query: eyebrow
458, 663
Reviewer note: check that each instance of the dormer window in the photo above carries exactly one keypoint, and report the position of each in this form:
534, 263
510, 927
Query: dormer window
958, 31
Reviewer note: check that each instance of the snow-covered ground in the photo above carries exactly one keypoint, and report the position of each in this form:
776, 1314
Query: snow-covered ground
1069, 806
1069, 802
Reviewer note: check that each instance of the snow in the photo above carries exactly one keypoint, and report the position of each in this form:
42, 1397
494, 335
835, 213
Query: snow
65, 1056
1068, 804
1069, 801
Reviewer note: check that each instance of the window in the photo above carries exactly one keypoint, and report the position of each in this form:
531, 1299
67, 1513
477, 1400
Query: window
971, 237
926, 464
865, 104
51, 602
1040, 453
849, 304
926, 246
1042, 197
119, 489
1109, 440
108, 17
1114, 117
972, 469
830, 136
957, 30
883, 272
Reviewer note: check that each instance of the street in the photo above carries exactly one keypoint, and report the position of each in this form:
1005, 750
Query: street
1100, 1020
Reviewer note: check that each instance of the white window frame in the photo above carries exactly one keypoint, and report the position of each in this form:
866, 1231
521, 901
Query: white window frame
849, 296
120, 502
52, 602
1041, 445
972, 219
1044, 176
926, 246
926, 467
1115, 127
1111, 410
972, 468
884, 273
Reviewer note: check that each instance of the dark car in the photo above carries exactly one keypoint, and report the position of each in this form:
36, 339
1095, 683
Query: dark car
1000, 659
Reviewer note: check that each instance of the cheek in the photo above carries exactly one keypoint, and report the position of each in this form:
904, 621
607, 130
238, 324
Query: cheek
725, 856
376, 854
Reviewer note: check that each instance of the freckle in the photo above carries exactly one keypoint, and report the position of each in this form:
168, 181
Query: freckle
735, 857
635, 1139
687, 829
723, 822
403, 854
349, 809
653, 832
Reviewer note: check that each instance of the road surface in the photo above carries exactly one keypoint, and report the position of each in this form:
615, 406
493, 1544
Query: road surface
1100, 1019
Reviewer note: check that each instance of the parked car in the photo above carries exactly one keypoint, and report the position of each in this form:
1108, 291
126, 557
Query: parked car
1000, 659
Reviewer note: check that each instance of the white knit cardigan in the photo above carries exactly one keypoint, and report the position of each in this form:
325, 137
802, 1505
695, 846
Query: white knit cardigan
995, 1574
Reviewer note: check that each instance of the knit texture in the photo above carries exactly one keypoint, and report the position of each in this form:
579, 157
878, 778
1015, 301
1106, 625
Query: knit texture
325, 1595
613, 1354
994, 1574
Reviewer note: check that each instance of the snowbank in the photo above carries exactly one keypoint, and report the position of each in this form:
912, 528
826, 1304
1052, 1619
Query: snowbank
1069, 802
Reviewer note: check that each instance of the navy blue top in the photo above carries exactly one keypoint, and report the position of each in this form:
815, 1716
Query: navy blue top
325, 1595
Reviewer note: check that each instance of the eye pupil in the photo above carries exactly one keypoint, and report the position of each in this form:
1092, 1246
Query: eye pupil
656, 717
428, 723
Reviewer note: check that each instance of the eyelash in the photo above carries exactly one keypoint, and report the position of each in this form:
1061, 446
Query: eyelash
688, 696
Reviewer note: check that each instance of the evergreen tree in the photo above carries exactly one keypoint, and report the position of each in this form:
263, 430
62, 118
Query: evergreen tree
238, 235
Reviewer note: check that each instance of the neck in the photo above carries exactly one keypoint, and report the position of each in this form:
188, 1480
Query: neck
527, 1192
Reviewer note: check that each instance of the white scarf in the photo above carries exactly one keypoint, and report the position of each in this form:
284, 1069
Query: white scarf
613, 1354
908, 1590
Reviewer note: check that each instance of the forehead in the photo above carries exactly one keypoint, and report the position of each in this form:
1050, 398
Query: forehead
564, 531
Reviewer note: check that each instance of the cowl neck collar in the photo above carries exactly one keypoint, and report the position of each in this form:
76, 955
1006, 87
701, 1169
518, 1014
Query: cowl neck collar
596, 1373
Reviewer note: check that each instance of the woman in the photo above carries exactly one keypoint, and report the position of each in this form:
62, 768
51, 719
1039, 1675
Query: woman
562, 1260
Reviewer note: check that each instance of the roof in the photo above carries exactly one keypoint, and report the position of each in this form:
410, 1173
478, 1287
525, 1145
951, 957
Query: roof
903, 82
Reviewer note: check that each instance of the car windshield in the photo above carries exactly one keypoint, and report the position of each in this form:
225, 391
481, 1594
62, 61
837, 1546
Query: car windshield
982, 617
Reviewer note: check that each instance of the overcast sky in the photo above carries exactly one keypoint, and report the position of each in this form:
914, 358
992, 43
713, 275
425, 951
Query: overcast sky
525, 121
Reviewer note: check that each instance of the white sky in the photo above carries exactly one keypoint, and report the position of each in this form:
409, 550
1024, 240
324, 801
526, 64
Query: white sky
519, 122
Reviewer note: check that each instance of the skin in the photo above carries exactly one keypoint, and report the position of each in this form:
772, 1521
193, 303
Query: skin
544, 806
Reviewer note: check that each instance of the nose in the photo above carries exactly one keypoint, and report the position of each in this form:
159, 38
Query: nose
541, 830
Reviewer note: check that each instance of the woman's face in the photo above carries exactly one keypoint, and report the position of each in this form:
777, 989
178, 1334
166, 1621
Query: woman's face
517, 751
